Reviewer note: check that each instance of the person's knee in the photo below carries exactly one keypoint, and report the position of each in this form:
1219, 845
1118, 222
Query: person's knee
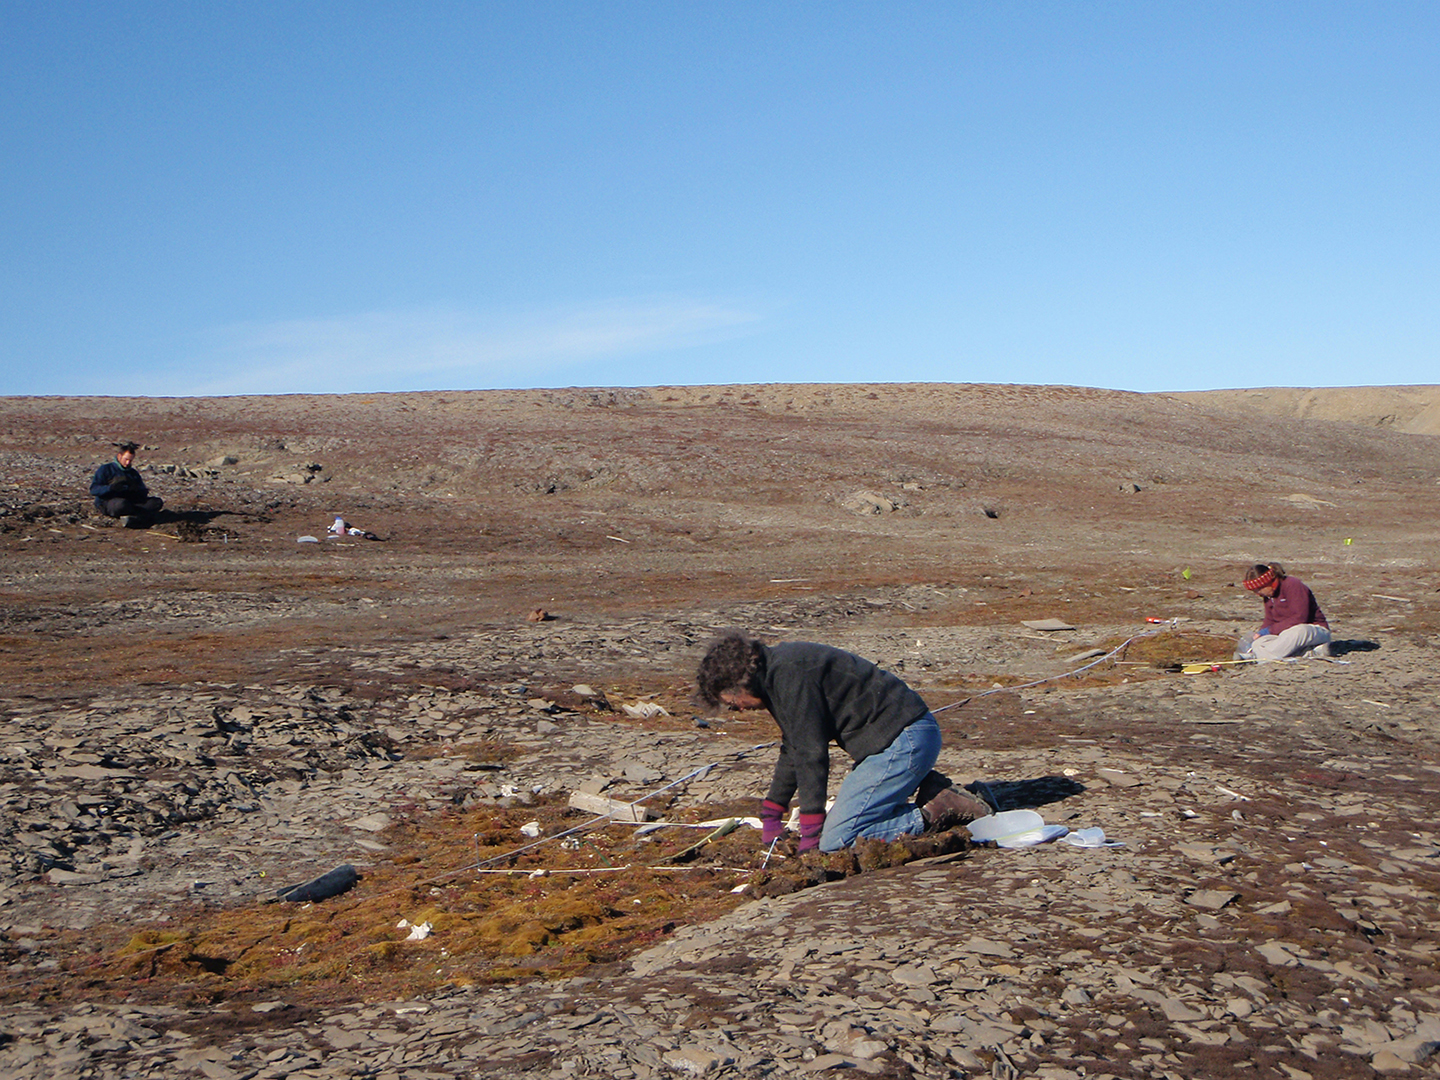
841, 838
838, 833
1266, 647
1289, 642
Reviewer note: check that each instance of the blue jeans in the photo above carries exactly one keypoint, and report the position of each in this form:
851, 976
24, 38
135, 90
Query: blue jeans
873, 802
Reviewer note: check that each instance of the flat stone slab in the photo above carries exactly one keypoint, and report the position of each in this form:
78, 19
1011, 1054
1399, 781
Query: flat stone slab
371, 822
1210, 899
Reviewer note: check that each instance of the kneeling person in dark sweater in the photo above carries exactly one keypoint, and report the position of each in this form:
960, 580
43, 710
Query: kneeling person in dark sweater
819, 695
120, 493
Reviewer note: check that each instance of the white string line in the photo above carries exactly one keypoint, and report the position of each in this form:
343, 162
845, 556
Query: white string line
611, 817
1065, 675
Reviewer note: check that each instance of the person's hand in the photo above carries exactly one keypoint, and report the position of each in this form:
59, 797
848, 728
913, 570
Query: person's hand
810, 827
772, 821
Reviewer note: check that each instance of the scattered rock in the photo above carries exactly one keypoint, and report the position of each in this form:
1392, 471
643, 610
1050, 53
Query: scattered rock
1118, 778
1210, 899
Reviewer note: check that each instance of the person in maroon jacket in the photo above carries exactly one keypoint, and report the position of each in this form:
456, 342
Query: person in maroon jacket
821, 695
1293, 622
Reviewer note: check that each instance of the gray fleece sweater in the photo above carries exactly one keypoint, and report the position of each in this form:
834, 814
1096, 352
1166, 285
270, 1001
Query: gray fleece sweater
819, 695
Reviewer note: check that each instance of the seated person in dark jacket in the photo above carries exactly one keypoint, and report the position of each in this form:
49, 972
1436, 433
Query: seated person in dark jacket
819, 695
119, 491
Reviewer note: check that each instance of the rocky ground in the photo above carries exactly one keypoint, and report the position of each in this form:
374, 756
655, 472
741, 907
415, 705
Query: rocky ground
199, 712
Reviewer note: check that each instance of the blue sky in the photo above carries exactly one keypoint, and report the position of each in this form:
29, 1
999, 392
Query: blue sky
225, 198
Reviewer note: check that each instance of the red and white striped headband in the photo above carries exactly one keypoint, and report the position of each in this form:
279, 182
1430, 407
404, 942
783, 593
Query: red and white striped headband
1269, 577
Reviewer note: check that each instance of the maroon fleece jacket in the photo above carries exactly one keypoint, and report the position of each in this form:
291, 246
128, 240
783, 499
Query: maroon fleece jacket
1292, 605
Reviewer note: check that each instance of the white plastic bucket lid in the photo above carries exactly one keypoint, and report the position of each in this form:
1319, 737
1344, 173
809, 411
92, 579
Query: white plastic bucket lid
1015, 828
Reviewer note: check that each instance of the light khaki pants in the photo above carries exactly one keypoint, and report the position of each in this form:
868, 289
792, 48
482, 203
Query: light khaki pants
1291, 642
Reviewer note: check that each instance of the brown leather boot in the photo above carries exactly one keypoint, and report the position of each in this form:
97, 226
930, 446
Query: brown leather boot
932, 785
981, 790
951, 807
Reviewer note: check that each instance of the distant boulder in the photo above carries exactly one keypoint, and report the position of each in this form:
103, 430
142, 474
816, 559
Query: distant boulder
869, 502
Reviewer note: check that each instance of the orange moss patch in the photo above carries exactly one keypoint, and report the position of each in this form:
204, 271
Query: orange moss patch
1171, 649
1151, 657
494, 912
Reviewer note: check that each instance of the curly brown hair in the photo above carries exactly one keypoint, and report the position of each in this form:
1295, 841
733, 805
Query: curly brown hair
733, 661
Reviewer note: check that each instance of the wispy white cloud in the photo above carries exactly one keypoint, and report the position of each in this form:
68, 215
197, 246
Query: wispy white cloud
446, 349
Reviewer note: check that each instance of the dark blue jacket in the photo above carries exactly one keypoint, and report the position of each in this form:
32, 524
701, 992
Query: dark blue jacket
113, 480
